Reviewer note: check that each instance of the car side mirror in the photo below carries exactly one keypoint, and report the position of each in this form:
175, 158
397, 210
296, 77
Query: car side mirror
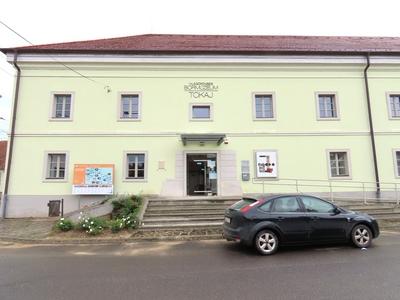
336, 211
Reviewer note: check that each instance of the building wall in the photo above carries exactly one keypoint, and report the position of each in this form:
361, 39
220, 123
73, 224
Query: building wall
96, 136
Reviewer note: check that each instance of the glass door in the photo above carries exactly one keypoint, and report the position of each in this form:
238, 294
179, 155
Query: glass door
201, 174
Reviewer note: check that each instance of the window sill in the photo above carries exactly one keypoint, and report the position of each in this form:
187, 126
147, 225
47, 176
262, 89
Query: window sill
348, 177
55, 180
264, 119
129, 120
201, 120
60, 120
328, 119
134, 180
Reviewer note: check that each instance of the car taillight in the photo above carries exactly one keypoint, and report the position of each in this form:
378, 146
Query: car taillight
248, 207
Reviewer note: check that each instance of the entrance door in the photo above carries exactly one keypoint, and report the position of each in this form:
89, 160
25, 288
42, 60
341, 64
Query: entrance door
201, 174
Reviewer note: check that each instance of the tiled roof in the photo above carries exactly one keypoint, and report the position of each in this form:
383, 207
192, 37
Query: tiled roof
3, 153
227, 44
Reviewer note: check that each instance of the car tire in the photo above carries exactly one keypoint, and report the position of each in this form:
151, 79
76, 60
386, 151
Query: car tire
266, 242
361, 236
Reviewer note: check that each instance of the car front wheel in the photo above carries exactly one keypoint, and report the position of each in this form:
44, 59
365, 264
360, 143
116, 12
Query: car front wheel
266, 242
361, 236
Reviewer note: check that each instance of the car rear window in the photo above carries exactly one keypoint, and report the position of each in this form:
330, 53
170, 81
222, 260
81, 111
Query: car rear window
242, 203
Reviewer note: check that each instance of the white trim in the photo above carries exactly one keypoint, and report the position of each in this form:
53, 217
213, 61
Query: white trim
52, 117
211, 118
347, 151
185, 153
125, 166
46, 163
396, 169
336, 99
388, 94
119, 107
253, 96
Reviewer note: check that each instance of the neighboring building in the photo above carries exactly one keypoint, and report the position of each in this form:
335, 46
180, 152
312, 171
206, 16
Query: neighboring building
3, 154
178, 115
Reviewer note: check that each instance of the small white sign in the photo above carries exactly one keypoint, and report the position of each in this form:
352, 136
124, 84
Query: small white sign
266, 164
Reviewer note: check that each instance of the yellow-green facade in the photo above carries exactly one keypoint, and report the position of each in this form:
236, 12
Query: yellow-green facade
95, 135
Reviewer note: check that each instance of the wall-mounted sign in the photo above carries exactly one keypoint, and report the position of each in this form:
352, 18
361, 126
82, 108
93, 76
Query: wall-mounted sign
93, 179
201, 89
266, 164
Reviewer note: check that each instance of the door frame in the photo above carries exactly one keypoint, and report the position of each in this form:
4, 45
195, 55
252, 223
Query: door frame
185, 154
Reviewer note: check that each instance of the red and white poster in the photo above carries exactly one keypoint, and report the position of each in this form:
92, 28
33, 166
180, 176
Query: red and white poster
266, 164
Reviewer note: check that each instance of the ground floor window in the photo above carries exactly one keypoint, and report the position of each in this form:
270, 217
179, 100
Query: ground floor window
135, 166
56, 165
339, 164
397, 162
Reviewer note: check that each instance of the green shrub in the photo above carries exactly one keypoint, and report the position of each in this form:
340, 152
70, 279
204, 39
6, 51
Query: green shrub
116, 225
64, 224
128, 222
92, 225
125, 205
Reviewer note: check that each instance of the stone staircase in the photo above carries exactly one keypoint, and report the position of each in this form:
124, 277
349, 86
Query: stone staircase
193, 212
208, 212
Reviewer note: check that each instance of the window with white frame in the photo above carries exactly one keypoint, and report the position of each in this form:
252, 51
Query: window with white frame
130, 107
201, 111
327, 106
397, 161
135, 166
339, 164
264, 106
62, 104
56, 165
394, 106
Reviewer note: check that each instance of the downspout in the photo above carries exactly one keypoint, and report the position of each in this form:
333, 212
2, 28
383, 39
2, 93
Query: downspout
12, 133
371, 125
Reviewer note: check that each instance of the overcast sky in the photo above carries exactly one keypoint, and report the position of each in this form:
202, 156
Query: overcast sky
43, 21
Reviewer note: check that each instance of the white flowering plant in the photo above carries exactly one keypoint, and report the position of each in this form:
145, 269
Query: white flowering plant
91, 225
64, 224
129, 221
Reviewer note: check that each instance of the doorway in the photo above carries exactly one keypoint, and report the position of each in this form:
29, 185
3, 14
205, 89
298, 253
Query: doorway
201, 174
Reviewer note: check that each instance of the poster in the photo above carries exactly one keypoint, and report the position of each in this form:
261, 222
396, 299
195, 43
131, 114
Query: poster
93, 179
266, 164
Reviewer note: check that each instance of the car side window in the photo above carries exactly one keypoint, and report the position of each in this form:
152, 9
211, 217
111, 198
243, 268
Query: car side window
266, 206
316, 205
286, 204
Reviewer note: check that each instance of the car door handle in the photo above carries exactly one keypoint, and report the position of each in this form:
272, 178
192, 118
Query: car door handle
314, 218
280, 218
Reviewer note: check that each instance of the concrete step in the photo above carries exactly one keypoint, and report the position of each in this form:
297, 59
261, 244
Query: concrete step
196, 225
150, 205
184, 209
191, 202
148, 220
186, 214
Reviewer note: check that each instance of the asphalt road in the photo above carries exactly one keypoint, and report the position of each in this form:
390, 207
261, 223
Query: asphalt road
199, 270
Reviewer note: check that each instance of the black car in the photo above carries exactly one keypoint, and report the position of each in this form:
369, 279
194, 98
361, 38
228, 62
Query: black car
269, 221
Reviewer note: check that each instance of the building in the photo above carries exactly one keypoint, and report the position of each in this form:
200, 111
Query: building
3, 152
181, 115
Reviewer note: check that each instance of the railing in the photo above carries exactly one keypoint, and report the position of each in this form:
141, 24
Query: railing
336, 190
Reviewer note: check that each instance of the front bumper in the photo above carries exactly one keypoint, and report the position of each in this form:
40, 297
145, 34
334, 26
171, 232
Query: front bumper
375, 229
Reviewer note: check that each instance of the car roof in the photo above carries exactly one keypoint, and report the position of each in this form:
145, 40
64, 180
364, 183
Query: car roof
266, 197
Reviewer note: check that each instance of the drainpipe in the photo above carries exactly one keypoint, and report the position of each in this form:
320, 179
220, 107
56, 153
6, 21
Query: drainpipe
11, 141
371, 126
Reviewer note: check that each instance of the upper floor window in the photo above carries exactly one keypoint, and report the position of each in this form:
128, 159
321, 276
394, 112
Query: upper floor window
394, 106
327, 106
56, 166
264, 107
339, 164
200, 112
129, 107
135, 166
62, 107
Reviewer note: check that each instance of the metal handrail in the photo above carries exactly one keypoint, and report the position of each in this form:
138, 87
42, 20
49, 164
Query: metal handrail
363, 185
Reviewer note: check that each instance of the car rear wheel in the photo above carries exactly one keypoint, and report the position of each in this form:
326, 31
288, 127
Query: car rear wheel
266, 242
361, 236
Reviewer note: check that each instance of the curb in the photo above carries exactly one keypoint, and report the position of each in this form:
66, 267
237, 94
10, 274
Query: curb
109, 241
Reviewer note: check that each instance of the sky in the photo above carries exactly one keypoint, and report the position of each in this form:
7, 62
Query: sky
43, 21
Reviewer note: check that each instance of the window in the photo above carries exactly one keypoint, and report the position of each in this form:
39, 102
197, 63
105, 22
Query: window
286, 204
135, 166
264, 107
62, 104
315, 205
56, 166
339, 164
397, 162
130, 107
327, 106
200, 111
394, 106
266, 206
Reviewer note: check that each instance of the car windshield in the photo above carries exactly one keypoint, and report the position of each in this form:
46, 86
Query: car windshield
242, 203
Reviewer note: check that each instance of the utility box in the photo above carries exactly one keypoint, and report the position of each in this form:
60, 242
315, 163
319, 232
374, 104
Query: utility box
54, 208
245, 168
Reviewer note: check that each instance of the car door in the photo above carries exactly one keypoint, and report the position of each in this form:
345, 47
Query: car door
326, 224
289, 216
